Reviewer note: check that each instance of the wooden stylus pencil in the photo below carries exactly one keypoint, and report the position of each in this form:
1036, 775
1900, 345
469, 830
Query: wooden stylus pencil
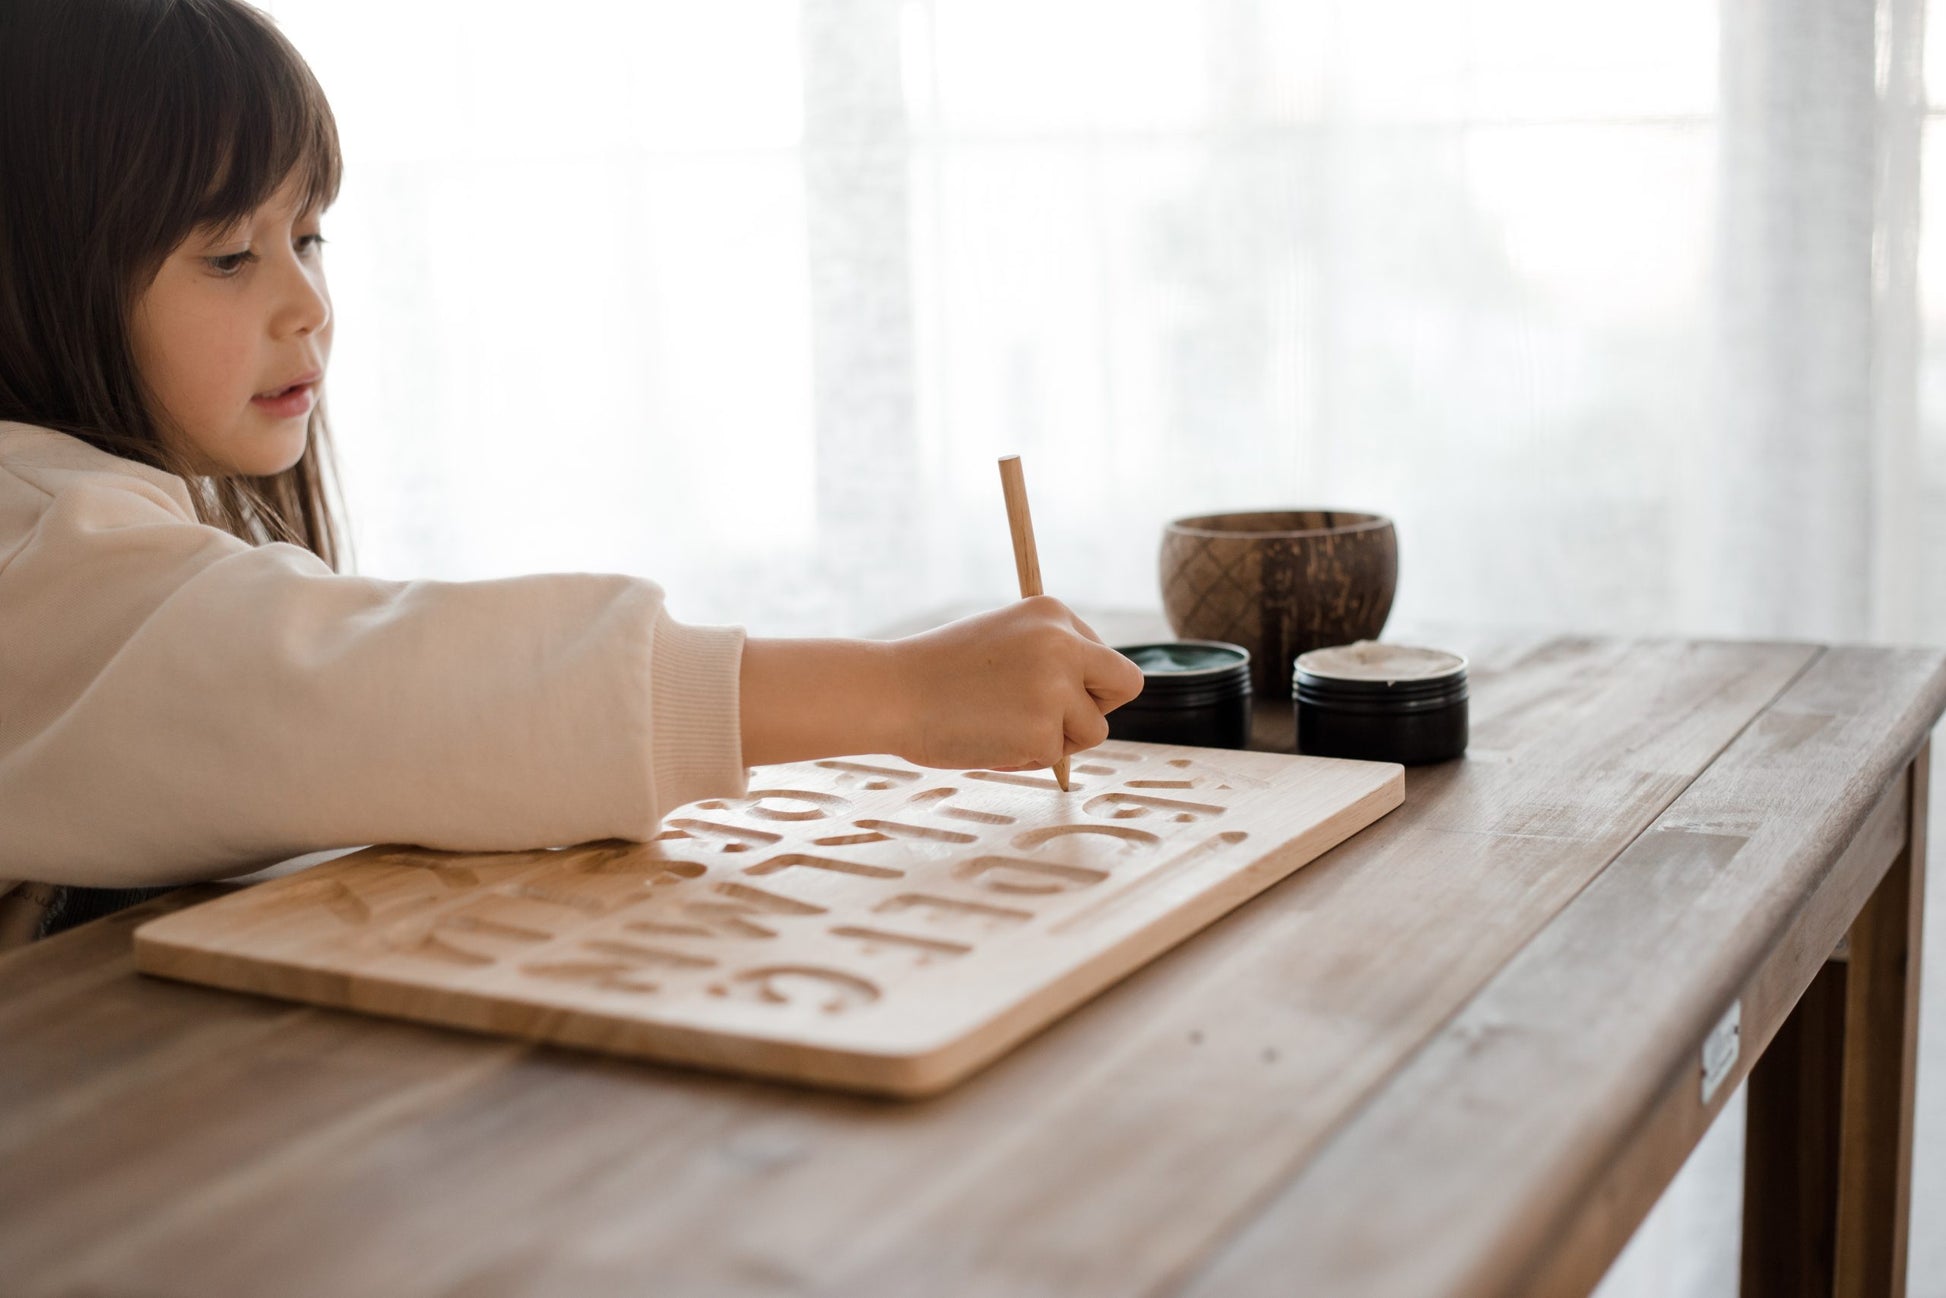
1026, 561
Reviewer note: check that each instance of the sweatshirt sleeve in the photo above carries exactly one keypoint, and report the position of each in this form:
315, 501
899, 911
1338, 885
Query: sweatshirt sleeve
176, 704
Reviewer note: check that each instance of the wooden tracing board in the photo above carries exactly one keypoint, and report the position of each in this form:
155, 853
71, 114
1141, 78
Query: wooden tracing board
859, 923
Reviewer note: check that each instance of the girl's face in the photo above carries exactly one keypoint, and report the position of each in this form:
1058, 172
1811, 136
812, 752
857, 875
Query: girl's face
231, 321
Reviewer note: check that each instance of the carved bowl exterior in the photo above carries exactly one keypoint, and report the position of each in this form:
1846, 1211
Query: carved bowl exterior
1280, 583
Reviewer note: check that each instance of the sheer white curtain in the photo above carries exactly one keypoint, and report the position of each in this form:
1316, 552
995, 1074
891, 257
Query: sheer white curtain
1630, 314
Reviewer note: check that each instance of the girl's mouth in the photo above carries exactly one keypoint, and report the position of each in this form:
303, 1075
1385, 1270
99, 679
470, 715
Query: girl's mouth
287, 403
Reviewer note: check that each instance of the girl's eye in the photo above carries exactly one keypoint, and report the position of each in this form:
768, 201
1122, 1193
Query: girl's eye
231, 263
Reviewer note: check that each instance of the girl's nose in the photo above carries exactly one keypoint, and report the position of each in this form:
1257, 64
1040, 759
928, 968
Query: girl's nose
304, 307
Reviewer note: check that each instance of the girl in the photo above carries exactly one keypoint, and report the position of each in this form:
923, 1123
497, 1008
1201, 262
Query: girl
189, 688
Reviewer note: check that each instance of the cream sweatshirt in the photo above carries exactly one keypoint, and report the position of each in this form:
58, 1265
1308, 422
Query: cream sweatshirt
178, 705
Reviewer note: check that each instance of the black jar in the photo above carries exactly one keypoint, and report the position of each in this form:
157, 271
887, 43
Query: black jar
1194, 692
1381, 703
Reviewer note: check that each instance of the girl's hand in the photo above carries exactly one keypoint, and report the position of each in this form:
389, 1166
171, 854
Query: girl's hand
1015, 689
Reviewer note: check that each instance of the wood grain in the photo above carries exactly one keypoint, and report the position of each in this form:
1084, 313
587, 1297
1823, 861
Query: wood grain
1543, 1086
861, 923
1578, 1255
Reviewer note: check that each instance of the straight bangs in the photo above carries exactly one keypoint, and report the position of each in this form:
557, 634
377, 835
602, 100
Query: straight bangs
256, 118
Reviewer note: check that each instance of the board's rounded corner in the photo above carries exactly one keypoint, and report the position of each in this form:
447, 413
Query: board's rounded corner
156, 955
919, 1073
925, 1082
145, 936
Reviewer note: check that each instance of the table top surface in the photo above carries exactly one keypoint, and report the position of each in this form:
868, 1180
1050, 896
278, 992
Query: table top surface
1473, 992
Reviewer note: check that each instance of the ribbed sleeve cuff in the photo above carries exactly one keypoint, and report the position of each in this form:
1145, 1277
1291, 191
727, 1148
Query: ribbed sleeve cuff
698, 728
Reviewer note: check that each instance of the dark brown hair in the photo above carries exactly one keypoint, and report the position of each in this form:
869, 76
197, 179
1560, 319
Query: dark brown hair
125, 125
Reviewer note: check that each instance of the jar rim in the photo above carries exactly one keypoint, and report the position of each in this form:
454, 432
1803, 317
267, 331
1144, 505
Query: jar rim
1315, 666
1190, 675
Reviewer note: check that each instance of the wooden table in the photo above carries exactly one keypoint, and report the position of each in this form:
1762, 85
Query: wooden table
1459, 1055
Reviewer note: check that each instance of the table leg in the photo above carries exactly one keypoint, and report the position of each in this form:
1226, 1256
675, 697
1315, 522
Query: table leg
1828, 1147
1790, 1159
1881, 1050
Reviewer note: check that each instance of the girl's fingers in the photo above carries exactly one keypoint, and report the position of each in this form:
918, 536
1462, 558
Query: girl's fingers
1111, 679
1082, 727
